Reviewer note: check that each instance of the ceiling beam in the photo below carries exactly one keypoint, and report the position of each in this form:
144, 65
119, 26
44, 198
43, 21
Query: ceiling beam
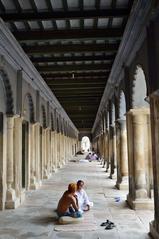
58, 48
72, 58
73, 68
96, 96
77, 74
77, 80
35, 35
70, 79
82, 103
82, 116
57, 15
76, 85
78, 88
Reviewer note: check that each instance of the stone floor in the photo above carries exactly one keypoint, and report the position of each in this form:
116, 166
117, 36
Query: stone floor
35, 219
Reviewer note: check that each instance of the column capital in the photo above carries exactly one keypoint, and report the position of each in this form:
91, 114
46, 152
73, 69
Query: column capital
137, 111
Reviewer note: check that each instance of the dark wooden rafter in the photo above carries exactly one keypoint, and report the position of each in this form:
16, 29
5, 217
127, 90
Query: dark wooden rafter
81, 11
51, 10
77, 74
125, 18
76, 84
2, 8
80, 88
63, 15
113, 33
65, 7
77, 80
74, 68
70, 48
79, 103
32, 3
108, 58
97, 5
19, 10
113, 5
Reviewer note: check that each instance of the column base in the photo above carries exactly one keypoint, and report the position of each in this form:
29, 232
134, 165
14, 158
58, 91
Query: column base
11, 201
142, 203
54, 170
153, 233
59, 165
123, 185
33, 184
22, 196
45, 176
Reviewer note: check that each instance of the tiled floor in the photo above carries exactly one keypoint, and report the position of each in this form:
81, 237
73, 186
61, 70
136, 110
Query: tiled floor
35, 219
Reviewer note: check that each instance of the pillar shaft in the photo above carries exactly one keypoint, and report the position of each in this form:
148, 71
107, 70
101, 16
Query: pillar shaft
11, 201
122, 155
138, 121
112, 155
154, 103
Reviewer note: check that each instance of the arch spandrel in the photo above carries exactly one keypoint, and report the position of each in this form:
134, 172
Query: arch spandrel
28, 111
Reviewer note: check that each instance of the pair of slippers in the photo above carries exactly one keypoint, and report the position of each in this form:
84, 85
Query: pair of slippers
108, 225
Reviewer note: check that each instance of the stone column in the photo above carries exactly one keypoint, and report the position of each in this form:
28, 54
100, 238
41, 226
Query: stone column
46, 153
18, 159
122, 155
107, 149
112, 155
138, 124
43, 153
154, 103
11, 200
55, 147
58, 151
32, 148
37, 154
52, 153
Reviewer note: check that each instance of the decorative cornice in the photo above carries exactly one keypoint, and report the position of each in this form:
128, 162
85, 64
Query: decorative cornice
132, 39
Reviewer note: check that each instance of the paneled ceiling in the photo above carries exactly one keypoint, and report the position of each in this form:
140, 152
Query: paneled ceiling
73, 44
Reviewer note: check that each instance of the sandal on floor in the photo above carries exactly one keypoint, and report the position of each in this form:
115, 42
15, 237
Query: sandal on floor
103, 224
109, 227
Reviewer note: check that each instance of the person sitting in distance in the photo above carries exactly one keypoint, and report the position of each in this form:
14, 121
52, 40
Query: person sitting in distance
68, 204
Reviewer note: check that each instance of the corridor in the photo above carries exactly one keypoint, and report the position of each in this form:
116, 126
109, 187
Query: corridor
36, 217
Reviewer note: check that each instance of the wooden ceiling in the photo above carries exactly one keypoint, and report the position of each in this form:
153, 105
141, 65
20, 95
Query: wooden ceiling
73, 44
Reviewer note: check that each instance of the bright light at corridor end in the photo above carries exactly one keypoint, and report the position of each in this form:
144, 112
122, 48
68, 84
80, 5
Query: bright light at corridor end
85, 144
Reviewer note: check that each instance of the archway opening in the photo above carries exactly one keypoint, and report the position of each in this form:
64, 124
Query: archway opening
85, 144
139, 89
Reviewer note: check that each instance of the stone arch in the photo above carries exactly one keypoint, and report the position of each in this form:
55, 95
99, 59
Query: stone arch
62, 126
28, 108
8, 93
139, 89
57, 124
107, 119
111, 113
52, 122
43, 114
122, 105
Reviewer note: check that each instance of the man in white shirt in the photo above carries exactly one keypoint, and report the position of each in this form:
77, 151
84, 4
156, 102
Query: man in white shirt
83, 200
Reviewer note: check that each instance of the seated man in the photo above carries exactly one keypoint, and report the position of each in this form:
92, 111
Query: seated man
68, 204
83, 201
